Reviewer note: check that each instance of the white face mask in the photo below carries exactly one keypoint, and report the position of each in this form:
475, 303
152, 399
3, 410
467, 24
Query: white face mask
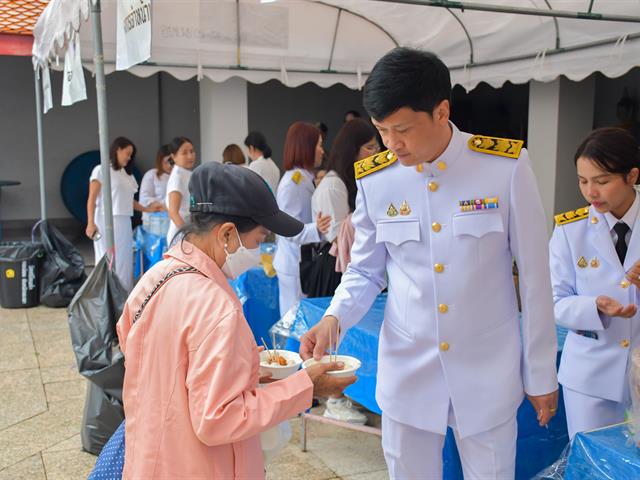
240, 261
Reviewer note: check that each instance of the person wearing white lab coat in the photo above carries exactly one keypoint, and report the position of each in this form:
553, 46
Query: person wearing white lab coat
259, 152
439, 218
302, 152
123, 188
153, 187
595, 278
183, 156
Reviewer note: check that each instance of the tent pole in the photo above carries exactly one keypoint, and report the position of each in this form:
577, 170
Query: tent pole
43, 203
103, 130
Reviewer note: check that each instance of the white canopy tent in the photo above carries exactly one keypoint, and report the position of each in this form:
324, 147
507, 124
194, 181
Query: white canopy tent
339, 41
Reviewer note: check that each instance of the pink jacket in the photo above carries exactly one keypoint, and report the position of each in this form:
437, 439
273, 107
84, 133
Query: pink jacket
192, 406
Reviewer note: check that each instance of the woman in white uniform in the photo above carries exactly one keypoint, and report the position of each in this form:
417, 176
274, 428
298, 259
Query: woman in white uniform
302, 152
183, 156
336, 197
260, 154
123, 187
595, 278
153, 188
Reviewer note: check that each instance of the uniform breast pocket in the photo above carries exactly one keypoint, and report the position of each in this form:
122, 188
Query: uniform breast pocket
397, 232
477, 224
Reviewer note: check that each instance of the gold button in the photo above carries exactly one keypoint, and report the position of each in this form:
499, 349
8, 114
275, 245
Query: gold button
436, 227
433, 186
594, 220
419, 167
442, 165
443, 308
624, 284
624, 343
438, 267
444, 346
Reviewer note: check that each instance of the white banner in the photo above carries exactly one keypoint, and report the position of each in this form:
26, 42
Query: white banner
47, 99
73, 87
133, 33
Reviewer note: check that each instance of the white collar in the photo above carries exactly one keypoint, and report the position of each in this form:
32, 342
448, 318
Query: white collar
629, 218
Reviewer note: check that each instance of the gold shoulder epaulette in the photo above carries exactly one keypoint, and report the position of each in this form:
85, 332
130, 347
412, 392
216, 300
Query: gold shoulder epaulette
572, 216
503, 147
296, 177
374, 163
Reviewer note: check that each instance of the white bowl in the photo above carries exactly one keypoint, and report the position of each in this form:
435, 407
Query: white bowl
277, 371
351, 365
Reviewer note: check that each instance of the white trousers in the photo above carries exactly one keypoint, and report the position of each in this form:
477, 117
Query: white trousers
123, 245
290, 291
585, 412
414, 454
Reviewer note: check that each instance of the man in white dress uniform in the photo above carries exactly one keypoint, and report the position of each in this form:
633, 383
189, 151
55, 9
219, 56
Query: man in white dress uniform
439, 219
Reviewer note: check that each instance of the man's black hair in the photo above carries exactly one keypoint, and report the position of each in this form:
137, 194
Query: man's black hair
406, 77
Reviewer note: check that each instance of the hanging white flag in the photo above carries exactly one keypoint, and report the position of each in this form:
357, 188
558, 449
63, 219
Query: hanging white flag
47, 102
133, 27
73, 87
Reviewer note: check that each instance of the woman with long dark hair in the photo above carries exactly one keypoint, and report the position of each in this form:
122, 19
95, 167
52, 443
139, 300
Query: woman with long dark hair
594, 263
122, 154
153, 187
183, 156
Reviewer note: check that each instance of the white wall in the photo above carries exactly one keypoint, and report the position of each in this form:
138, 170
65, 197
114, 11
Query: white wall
560, 116
135, 109
223, 116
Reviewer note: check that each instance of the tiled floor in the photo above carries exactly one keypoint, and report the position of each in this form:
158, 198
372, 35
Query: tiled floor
42, 398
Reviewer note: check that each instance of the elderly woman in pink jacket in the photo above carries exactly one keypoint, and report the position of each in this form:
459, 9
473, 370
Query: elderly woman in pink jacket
191, 396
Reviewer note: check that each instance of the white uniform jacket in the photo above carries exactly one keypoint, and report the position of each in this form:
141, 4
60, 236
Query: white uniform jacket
451, 332
590, 365
294, 197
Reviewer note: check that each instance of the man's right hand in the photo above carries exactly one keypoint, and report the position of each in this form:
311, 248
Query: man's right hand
612, 308
315, 342
325, 385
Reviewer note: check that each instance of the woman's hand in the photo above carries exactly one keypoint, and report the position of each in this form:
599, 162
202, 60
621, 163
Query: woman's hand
323, 222
613, 308
325, 385
156, 207
90, 231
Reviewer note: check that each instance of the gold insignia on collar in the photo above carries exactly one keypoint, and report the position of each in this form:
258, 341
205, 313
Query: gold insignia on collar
296, 177
503, 147
374, 163
582, 262
595, 263
405, 209
391, 211
572, 216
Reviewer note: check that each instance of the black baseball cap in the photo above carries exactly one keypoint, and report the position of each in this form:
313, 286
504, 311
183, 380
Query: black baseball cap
236, 190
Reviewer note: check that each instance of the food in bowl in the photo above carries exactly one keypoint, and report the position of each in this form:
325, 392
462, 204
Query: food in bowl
351, 364
279, 363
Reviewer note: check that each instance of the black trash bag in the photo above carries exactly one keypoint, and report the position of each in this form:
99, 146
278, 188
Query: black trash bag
62, 272
20, 264
93, 314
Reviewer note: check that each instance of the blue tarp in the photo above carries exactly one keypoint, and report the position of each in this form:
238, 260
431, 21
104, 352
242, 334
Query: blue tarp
259, 297
537, 447
605, 454
148, 250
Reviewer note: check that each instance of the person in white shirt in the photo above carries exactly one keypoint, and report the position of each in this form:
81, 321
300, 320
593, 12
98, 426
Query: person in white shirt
260, 154
336, 197
153, 188
594, 263
302, 152
183, 156
123, 188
